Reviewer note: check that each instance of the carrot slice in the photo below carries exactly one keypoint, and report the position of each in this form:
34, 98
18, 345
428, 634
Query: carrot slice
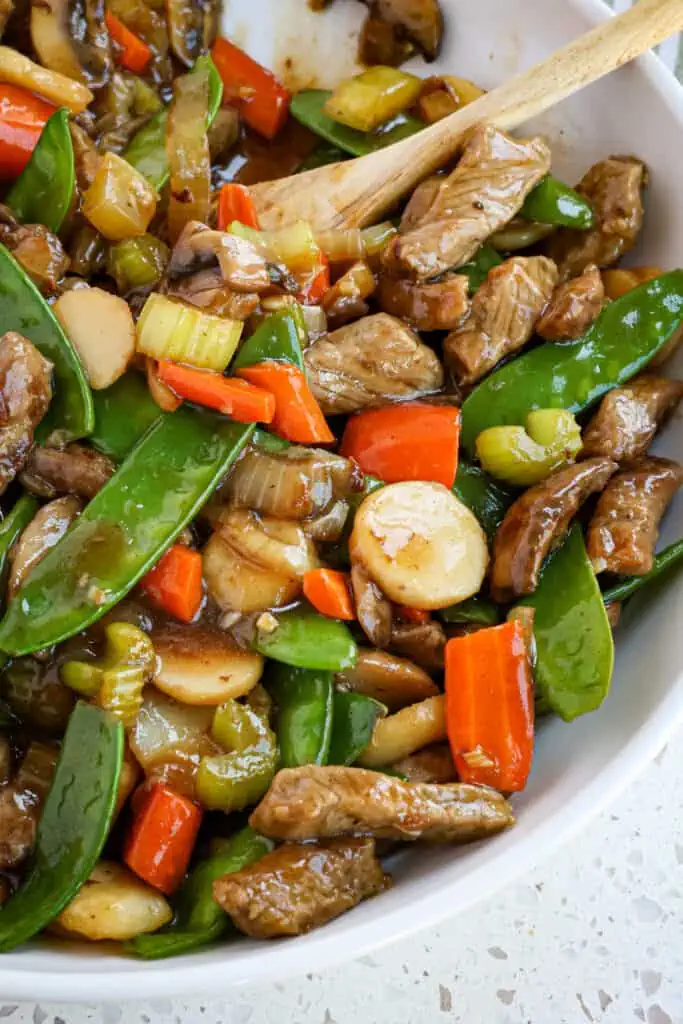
160, 843
328, 591
22, 119
235, 204
262, 101
134, 54
175, 582
298, 417
236, 398
317, 283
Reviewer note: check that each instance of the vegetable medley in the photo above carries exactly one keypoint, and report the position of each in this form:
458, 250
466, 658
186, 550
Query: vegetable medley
302, 532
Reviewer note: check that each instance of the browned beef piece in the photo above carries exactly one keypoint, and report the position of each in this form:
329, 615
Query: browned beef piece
420, 201
75, 469
373, 609
623, 532
299, 886
537, 522
25, 393
391, 680
573, 307
503, 315
421, 642
493, 178
21, 803
39, 252
407, 24
369, 362
614, 187
629, 417
316, 802
432, 306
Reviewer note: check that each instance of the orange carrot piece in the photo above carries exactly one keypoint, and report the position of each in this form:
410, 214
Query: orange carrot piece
22, 119
134, 54
490, 706
298, 417
236, 398
160, 842
175, 582
235, 204
261, 100
313, 289
328, 591
416, 615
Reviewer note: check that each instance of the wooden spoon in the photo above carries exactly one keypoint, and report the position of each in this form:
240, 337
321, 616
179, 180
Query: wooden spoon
358, 192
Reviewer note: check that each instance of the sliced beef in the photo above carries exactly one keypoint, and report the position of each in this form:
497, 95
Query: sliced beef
493, 178
75, 469
418, 21
420, 202
299, 886
39, 252
629, 417
431, 306
369, 362
315, 802
573, 307
537, 522
623, 532
503, 315
614, 187
373, 609
21, 804
47, 527
25, 393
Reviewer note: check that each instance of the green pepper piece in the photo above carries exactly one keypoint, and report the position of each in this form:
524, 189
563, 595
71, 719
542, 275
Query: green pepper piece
123, 414
353, 721
307, 107
574, 645
304, 714
574, 375
14, 523
553, 202
124, 530
305, 639
629, 585
477, 269
280, 337
322, 155
147, 149
487, 499
477, 610
200, 920
23, 309
43, 192
73, 827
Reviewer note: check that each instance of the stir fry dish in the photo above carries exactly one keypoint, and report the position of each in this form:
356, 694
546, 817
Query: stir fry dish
303, 533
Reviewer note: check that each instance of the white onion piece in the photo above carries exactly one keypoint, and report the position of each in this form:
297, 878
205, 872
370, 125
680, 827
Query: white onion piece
239, 585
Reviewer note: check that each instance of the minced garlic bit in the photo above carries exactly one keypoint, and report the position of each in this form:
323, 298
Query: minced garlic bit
228, 620
478, 758
266, 623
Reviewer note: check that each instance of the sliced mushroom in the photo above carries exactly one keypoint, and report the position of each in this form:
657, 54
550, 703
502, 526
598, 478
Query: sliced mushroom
192, 27
421, 642
25, 394
432, 764
537, 522
393, 681
418, 21
629, 417
21, 803
101, 328
40, 253
205, 262
71, 37
623, 532
50, 472
196, 665
406, 731
373, 610
47, 527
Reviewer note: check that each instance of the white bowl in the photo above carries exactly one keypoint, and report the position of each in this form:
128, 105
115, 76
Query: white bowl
578, 767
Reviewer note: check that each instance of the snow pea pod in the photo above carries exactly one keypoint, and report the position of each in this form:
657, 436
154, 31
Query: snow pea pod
574, 645
353, 721
147, 149
305, 639
307, 107
124, 530
553, 202
73, 827
664, 561
23, 309
477, 269
485, 497
199, 919
16, 520
477, 610
574, 375
43, 192
123, 413
281, 337
324, 154
304, 714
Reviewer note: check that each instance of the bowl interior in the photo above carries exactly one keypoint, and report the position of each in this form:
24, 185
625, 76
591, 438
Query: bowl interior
637, 110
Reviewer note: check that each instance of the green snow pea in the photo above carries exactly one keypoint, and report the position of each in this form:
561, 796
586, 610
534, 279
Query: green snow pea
553, 202
324, 154
305, 639
199, 919
147, 149
629, 585
304, 714
574, 645
477, 610
124, 530
307, 107
281, 337
485, 497
477, 269
353, 721
73, 827
268, 442
16, 520
23, 309
573, 376
123, 413
43, 192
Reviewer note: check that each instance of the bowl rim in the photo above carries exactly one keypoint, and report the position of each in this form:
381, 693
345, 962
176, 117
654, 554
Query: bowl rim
154, 979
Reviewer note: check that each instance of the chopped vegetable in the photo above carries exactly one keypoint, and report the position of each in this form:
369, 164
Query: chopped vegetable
12, 526
298, 416
477, 269
236, 398
490, 707
304, 639
170, 330
488, 500
44, 191
317, 283
175, 583
137, 262
294, 244
628, 586
233, 781
120, 203
100, 327
114, 905
354, 716
328, 591
18, 71
23, 117
553, 202
235, 204
308, 107
134, 54
444, 94
257, 94
524, 456
160, 842
621, 280
373, 97
123, 414
477, 611
406, 731
410, 441
202, 666
187, 149
280, 337
304, 701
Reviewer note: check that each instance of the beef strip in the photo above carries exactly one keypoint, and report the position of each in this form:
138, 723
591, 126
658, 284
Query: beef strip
369, 362
537, 522
25, 393
39, 251
21, 804
75, 469
373, 609
316, 802
432, 306
503, 315
420, 201
573, 307
493, 178
623, 532
299, 886
614, 187
629, 417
